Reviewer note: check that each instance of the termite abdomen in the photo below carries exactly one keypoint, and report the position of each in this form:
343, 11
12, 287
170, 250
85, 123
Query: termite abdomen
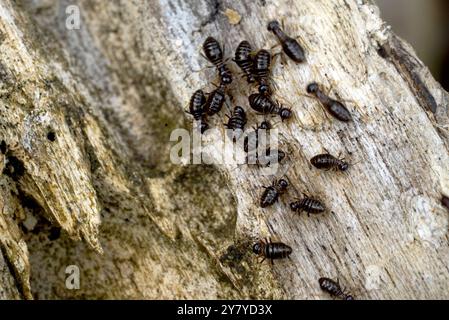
215, 101
197, 109
212, 51
271, 193
244, 60
196, 105
261, 70
237, 122
337, 109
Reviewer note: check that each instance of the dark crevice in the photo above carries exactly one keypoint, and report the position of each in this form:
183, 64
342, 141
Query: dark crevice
3, 147
51, 136
43, 225
14, 168
54, 233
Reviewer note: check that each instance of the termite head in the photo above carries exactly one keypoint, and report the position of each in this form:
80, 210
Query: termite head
343, 166
257, 248
312, 88
282, 184
226, 77
272, 25
264, 89
285, 114
295, 206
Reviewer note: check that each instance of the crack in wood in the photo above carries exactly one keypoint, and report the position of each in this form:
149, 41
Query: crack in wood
395, 52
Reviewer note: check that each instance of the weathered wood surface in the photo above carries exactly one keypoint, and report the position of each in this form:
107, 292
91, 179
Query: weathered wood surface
114, 90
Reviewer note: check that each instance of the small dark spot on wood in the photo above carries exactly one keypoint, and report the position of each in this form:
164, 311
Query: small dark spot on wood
263, 3
3, 147
51, 135
445, 201
55, 233
383, 52
92, 157
309, 251
28, 201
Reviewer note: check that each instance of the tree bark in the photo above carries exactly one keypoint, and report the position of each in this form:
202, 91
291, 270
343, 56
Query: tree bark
85, 122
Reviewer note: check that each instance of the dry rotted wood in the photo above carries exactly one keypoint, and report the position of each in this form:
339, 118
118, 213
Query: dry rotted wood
112, 92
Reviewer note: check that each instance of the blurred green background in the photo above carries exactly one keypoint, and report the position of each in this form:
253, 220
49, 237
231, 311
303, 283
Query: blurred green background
425, 25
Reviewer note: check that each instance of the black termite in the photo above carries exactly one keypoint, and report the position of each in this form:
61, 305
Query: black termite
244, 60
251, 141
290, 46
271, 193
215, 100
262, 69
3, 147
237, 122
265, 105
334, 107
308, 205
212, 51
197, 104
329, 162
197, 109
272, 250
333, 288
